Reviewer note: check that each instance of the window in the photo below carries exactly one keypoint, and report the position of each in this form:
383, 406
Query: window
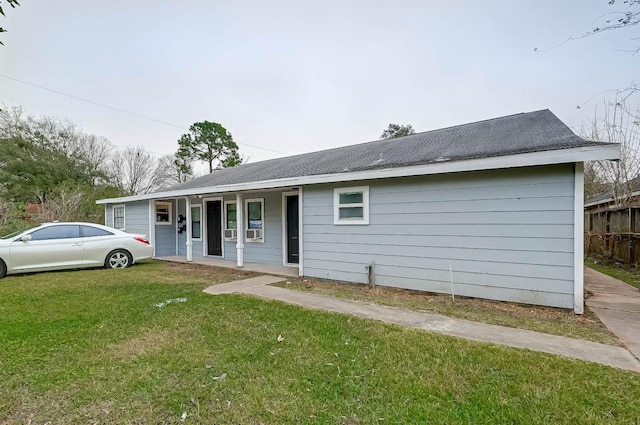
56, 232
196, 222
351, 205
88, 232
255, 220
231, 216
118, 217
163, 213
230, 220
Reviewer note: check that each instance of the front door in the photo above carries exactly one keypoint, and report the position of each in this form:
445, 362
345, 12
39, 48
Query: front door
293, 246
214, 228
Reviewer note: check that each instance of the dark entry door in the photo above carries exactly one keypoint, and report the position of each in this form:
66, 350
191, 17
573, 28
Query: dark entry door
214, 228
293, 246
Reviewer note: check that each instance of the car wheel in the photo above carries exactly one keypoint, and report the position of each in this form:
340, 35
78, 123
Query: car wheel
3, 269
118, 259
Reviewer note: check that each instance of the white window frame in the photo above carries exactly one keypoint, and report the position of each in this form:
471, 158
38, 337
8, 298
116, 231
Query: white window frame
364, 204
200, 214
225, 218
169, 204
124, 216
246, 218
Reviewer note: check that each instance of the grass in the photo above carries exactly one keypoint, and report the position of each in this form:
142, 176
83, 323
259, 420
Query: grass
88, 347
625, 273
549, 320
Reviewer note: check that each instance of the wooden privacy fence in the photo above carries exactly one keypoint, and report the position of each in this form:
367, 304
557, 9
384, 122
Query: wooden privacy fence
612, 233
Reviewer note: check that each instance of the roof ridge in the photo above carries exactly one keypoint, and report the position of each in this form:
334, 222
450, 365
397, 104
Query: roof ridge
524, 132
386, 140
472, 122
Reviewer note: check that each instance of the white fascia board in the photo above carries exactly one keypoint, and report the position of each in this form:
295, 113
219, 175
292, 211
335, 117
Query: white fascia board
563, 156
578, 239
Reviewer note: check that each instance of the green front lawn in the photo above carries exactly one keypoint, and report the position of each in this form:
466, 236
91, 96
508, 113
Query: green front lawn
90, 347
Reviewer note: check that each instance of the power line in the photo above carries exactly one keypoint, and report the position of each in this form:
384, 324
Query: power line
122, 110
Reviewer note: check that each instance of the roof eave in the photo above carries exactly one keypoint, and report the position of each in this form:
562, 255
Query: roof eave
560, 156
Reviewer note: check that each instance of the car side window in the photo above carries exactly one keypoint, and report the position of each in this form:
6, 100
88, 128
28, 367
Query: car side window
89, 231
56, 232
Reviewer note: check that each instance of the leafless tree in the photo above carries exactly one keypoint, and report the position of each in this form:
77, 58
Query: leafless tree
594, 182
136, 170
176, 169
62, 205
615, 125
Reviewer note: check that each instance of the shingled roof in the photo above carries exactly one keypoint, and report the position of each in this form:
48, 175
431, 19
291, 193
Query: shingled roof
527, 139
514, 134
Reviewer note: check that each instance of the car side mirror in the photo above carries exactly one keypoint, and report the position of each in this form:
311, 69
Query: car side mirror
26, 238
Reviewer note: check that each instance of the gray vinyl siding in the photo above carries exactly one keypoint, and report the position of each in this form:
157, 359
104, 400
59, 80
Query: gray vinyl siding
270, 251
507, 234
166, 235
136, 217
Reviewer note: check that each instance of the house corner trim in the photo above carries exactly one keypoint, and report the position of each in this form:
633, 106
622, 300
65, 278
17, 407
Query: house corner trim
578, 237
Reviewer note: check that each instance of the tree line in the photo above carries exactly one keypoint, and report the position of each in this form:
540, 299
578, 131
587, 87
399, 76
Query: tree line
52, 170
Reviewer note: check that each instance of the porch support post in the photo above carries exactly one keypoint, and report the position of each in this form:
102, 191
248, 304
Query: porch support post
300, 234
240, 230
189, 224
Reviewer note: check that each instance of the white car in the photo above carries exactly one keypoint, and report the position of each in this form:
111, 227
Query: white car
57, 246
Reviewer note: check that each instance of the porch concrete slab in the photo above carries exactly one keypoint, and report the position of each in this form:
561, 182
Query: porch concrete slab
251, 267
617, 305
617, 357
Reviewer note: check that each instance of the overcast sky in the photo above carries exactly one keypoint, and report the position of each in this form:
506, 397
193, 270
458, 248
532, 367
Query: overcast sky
298, 76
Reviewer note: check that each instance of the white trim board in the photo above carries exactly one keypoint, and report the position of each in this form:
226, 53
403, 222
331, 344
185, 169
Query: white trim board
563, 156
300, 232
578, 235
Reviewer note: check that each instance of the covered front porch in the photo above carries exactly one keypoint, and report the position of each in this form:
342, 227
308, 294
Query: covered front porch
252, 267
254, 230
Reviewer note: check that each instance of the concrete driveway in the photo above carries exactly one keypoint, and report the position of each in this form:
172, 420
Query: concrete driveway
617, 305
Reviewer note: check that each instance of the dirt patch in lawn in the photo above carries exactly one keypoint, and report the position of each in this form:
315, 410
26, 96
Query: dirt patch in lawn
209, 275
148, 342
550, 320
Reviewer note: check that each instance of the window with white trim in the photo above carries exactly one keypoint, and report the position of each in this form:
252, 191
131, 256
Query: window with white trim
163, 213
255, 220
196, 222
351, 205
230, 221
118, 217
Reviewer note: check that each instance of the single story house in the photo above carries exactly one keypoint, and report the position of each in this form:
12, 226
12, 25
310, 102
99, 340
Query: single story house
497, 202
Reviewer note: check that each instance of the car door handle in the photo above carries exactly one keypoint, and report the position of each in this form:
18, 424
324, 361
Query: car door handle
77, 244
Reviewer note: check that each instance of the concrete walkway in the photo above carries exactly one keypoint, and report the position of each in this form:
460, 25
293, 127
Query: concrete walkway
617, 305
578, 349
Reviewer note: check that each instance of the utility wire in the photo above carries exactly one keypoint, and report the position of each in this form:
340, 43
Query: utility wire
122, 110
